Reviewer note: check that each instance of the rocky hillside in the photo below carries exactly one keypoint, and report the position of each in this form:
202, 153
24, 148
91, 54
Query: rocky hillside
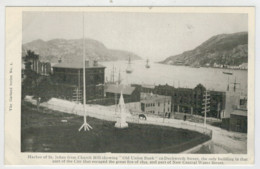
71, 50
223, 49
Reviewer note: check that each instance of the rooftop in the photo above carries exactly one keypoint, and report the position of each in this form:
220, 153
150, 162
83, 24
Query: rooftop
78, 65
154, 97
148, 86
239, 112
127, 90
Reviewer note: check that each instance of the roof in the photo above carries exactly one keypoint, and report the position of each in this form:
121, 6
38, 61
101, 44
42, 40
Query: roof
154, 97
76, 65
239, 113
148, 86
244, 65
126, 90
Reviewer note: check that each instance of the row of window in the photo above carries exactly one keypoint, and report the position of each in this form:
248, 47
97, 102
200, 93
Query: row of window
69, 78
153, 104
150, 105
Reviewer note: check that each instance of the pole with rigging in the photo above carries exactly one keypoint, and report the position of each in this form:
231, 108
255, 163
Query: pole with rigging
85, 125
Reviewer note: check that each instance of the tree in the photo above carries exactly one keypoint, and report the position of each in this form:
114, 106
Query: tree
30, 59
44, 89
30, 81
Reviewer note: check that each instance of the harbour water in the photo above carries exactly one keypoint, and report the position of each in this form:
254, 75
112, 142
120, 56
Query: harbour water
177, 76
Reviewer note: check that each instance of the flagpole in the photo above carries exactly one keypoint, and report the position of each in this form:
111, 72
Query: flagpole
85, 124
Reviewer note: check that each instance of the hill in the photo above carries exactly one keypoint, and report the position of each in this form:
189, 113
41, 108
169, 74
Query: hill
71, 50
223, 49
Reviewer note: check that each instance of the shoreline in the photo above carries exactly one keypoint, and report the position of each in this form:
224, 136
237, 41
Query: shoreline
201, 66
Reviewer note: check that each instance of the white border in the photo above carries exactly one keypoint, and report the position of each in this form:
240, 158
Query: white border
4, 3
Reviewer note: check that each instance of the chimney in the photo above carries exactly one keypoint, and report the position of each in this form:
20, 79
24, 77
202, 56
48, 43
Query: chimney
59, 60
87, 63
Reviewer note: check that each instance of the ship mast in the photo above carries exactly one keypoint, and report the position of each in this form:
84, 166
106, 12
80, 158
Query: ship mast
129, 69
85, 124
147, 64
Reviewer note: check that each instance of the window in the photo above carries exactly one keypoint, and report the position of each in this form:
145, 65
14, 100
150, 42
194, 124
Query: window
142, 107
91, 78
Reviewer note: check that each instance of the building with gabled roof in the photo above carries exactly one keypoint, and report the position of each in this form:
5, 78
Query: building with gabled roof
130, 94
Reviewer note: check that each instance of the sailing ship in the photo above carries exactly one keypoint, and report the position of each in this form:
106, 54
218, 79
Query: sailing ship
147, 64
129, 68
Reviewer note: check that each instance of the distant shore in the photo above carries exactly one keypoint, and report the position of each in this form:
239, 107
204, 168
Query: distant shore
224, 68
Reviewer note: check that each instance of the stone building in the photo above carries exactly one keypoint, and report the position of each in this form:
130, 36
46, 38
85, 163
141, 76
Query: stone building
156, 104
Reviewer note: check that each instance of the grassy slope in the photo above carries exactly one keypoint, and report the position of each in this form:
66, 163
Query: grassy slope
44, 132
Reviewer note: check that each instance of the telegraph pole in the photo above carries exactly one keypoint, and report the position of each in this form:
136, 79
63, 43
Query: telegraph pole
206, 108
164, 100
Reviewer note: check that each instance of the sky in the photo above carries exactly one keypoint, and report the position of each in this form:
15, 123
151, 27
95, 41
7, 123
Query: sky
153, 36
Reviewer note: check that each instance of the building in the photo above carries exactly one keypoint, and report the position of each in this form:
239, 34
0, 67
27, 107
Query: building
39, 67
113, 91
188, 100
156, 104
238, 121
243, 66
146, 88
232, 103
68, 79
234, 117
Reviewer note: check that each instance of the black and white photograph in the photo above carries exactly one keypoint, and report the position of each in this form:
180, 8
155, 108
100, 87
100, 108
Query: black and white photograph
133, 82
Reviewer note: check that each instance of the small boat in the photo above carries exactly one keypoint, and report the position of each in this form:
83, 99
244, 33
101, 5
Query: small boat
228, 73
147, 64
129, 68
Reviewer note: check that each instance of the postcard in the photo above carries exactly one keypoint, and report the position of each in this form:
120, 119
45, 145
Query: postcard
129, 85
